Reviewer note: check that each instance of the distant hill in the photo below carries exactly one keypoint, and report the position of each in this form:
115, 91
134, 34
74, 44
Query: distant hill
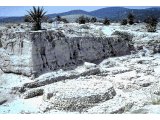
72, 12
113, 13
119, 13
11, 19
2, 17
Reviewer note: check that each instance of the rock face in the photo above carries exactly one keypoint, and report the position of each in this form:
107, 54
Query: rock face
34, 53
16, 53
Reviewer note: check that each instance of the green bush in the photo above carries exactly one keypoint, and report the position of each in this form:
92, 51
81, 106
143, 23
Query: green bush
60, 19
81, 20
93, 19
26, 18
124, 22
151, 24
106, 21
131, 18
124, 35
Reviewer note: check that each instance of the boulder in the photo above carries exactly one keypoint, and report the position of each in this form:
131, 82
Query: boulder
33, 93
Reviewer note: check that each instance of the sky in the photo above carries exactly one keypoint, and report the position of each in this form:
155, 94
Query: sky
22, 10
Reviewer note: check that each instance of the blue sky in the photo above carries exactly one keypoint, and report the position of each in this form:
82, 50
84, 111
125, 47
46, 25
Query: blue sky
21, 10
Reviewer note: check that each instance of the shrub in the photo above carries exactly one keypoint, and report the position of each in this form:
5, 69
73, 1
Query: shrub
93, 19
64, 20
36, 16
125, 35
131, 18
106, 21
151, 24
58, 18
81, 20
124, 22
26, 18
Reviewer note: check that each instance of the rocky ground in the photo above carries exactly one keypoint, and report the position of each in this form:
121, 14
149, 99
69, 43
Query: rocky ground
117, 85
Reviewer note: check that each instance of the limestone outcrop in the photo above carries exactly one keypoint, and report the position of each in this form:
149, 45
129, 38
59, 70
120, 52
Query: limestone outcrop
34, 53
116, 85
77, 95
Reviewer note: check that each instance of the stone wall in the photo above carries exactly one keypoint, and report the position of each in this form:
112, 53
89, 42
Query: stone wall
34, 53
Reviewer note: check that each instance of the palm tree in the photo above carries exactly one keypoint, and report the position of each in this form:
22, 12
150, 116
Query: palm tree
36, 16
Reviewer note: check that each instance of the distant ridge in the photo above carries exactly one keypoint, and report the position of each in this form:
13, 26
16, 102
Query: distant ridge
113, 13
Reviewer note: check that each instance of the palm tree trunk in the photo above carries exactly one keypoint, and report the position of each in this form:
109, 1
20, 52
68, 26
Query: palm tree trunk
36, 26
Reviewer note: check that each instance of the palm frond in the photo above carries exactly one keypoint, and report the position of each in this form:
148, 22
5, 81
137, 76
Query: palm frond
36, 16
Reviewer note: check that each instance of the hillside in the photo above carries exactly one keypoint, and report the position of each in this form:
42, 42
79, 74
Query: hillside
113, 13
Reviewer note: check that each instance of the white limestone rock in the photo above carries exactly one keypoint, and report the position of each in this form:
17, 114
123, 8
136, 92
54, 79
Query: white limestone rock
116, 105
76, 95
84, 70
33, 93
38, 52
2, 100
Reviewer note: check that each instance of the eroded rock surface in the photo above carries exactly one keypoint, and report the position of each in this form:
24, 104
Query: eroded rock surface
89, 84
34, 53
76, 95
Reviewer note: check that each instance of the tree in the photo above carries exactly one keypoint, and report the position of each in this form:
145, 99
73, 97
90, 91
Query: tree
124, 22
151, 23
81, 20
106, 21
36, 16
93, 19
58, 18
131, 18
